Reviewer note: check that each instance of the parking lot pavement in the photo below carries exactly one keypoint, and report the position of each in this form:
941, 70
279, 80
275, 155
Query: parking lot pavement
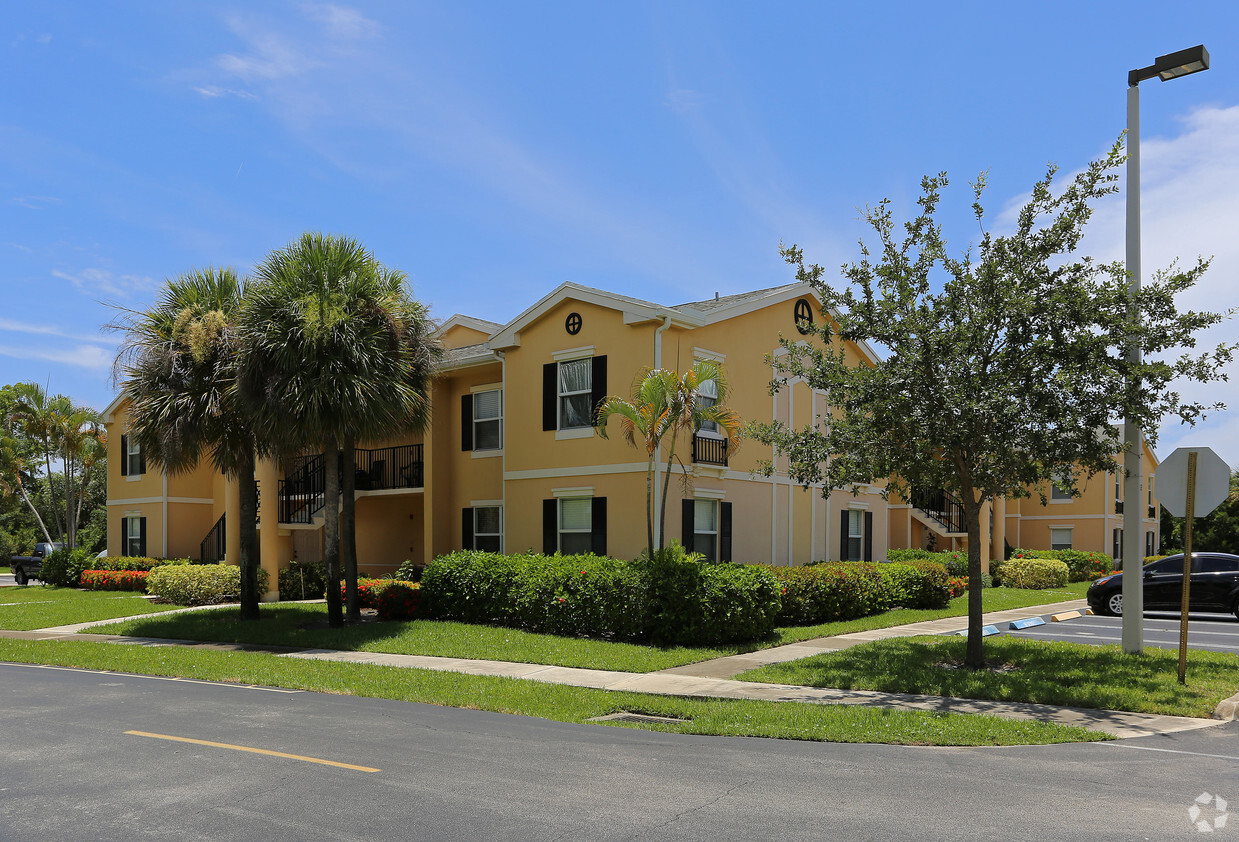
6, 578
1212, 632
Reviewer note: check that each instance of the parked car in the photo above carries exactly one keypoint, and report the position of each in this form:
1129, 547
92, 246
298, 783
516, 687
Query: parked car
27, 567
1215, 586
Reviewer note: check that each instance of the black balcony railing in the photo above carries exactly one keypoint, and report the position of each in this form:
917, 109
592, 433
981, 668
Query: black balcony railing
942, 507
304, 484
710, 451
1152, 514
1118, 507
213, 545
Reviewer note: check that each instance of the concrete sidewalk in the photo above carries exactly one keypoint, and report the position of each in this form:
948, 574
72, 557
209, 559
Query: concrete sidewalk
713, 679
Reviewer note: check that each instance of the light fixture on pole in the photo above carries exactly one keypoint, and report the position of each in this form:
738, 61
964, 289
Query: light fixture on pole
1170, 66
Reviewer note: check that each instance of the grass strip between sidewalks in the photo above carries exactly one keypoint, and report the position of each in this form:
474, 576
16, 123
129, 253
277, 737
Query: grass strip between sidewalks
288, 624
24, 609
721, 717
1054, 673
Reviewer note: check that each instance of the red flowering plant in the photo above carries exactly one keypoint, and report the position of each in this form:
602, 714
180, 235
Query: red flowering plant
114, 580
398, 600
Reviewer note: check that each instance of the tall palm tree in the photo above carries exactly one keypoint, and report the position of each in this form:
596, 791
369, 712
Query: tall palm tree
81, 436
699, 398
13, 466
177, 364
39, 414
649, 415
335, 351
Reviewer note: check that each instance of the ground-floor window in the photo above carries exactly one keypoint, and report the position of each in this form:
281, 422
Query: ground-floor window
1118, 543
483, 528
1060, 537
135, 536
856, 535
573, 525
705, 528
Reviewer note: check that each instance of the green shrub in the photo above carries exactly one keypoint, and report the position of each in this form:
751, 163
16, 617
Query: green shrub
1081, 566
1034, 573
473, 587
826, 592
63, 568
696, 603
398, 600
303, 580
123, 562
410, 571
929, 589
199, 584
903, 555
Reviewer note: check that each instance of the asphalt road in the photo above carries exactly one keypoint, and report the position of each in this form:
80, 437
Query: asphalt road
1213, 632
70, 771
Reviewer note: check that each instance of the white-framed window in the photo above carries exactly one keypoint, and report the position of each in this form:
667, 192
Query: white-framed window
1118, 486
1150, 545
575, 525
488, 528
856, 534
135, 545
1060, 537
575, 389
1060, 488
707, 396
488, 420
1118, 544
133, 458
705, 528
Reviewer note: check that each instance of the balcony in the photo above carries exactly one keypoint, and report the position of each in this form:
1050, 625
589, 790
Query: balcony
709, 451
943, 508
1118, 507
1152, 514
302, 490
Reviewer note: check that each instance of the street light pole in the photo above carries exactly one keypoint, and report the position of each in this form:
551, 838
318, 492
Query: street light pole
1170, 66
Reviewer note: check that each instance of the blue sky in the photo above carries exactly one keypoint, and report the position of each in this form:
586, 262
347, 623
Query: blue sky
494, 150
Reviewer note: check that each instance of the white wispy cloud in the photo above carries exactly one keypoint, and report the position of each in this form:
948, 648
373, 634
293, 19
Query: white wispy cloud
14, 326
102, 282
215, 92
83, 356
343, 21
35, 202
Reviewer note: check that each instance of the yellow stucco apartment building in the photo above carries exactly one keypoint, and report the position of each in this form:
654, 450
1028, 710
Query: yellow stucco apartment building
511, 462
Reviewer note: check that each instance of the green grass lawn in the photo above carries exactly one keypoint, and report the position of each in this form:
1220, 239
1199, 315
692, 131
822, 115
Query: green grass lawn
284, 625
1072, 674
23, 609
784, 720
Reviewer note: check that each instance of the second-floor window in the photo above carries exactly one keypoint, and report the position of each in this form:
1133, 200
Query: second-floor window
575, 389
1060, 488
132, 462
488, 420
707, 396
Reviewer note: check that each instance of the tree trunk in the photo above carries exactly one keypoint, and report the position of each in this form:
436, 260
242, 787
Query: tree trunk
22, 488
51, 493
348, 531
662, 515
331, 532
70, 532
248, 551
650, 468
974, 657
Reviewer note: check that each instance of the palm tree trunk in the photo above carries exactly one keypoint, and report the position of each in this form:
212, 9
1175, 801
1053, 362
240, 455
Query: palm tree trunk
51, 492
248, 551
43, 526
69, 530
331, 532
348, 531
662, 517
650, 468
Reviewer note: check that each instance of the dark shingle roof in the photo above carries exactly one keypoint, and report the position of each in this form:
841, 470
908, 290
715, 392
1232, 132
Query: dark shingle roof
729, 300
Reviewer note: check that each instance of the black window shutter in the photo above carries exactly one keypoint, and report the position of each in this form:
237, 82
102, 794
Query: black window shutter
550, 396
122, 546
868, 551
142, 537
141, 462
598, 526
686, 525
724, 531
124, 456
550, 526
466, 423
843, 536
598, 387
466, 529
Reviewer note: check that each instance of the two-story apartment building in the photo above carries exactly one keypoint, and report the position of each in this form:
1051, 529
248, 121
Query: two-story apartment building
511, 460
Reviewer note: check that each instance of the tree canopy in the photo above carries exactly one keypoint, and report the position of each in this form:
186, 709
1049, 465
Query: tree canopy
1003, 363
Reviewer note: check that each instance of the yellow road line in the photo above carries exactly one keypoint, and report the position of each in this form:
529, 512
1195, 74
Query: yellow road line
254, 751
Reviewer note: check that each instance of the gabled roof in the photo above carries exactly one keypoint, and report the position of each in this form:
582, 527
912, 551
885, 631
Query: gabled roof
459, 319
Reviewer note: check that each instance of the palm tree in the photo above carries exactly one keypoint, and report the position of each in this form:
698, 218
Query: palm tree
335, 351
649, 415
699, 398
39, 414
13, 465
178, 365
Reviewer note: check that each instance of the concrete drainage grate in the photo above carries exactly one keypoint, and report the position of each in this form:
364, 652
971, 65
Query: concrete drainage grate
638, 718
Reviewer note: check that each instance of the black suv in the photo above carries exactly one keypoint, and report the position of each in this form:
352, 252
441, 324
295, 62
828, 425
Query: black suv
1215, 585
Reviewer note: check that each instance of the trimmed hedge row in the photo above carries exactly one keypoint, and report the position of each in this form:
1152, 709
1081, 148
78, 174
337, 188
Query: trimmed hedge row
1081, 566
64, 568
199, 584
114, 580
672, 600
846, 590
1032, 573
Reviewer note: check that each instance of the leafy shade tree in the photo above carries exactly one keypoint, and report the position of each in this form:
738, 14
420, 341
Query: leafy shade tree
177, 364
1004, 364
336, 351
663, 405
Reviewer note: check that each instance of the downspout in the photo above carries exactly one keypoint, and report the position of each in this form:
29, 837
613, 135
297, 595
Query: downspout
658, 453
503, 443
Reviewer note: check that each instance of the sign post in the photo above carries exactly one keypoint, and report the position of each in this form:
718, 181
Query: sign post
1192, 481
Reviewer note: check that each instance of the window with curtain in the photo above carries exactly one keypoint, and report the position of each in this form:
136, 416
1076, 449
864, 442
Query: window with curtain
488, 529
488, 420
705, 528
856, 534
575, 525
1060, 538
575, 385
